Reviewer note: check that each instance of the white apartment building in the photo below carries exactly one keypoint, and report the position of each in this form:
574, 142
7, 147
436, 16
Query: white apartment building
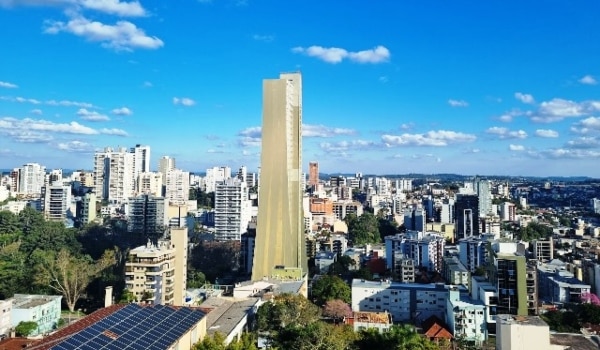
86, 209
150, 183
215, 175
522, 332
233, 209
404, 301
177, 187
141, 159
404, 185
447, 211
31, 177
508, 212
116, 172
466, 317
166, 164
483, 189
425, 249
5, 319
55, 202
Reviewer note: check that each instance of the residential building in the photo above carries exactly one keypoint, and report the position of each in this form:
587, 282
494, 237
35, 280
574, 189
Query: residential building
280, 238
147, 214
313, 174
381, 321
132, 326
215, 175
165, 165
466, 317
403, 269
558, 285
404, 301
522, 332
508, 211
177, 187
595, 204
414, 219
55, 202
31, 178
141, 160
466, 215
473, 252
5, 316
233, 209
114, 177
42, 309
86, 208
511, 280
484, 193
150, 273
323, 260
426, 249
342, 208
150, 183
543, 249
455, 272
447, 211
591, 274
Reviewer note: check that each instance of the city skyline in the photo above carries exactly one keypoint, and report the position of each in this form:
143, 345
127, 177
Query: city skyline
393, 88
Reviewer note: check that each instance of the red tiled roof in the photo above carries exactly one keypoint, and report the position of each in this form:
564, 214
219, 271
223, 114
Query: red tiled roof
76, 327
15, 343
437, 331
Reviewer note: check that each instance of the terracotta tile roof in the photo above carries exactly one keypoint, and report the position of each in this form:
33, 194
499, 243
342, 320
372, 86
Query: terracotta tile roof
76, 327
436, 331
15, 343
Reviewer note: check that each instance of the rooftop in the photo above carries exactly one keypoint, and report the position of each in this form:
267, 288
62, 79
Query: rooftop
520, 320
28, 301
358, 283
226, 314
373, 317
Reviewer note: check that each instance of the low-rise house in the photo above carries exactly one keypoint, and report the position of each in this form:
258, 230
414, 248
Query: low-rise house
5, 319
41, 309
382, 321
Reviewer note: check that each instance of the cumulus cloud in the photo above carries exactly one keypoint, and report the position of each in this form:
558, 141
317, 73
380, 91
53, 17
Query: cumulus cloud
588, 80
122, 111
458, 103
505, 133
63, 103
343, 146
587, 125
36, 111
75, 147
525, 98
516, 148
558, 109
92, 116
184, 101
113, 7
250, 137
547, 133
584, 142
122, 36
8, 85
39, 130
562, 153
437, 138
334, 55
309, 130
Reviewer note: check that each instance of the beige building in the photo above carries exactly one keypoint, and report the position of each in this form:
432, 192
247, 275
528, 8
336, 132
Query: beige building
523, 333
149, 183
150, 273
280, 222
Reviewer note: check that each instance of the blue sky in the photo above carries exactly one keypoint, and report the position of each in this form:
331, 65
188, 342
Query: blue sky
389, 87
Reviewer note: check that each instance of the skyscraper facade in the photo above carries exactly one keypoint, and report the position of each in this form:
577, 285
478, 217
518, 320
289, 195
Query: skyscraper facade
466, 216
280, 222
313, 174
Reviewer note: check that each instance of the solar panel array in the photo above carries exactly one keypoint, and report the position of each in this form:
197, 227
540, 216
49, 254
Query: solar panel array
135, 327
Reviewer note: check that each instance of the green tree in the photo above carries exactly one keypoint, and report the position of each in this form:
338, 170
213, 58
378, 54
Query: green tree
9, 227
246, 342
403, 337
330, 288
216, 342
127, 297
14, 270
364, 229
315, 336
50, 236
26, 328
69, 274
196, 279
285, 310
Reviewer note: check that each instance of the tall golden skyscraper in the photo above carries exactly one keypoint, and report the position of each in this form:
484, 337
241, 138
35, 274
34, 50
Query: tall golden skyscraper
279, 246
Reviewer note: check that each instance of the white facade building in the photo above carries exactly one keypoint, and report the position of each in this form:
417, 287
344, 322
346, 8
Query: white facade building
425, 249
55, 202
166, 164
5, 319
177, 187
31, 179
233, 209
150, 183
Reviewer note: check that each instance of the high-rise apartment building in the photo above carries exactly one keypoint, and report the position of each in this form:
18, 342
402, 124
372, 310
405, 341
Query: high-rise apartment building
233, 209
148, 215
165, 164
31, 179
177, 187
414, 219
280, 243
149, 183
313, 174
150, 273
114, 178
466, 215
141, 159
215, 175
484, 193
55, 202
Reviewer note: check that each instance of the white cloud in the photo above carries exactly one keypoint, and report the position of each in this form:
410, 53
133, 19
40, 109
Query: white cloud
558, 109
525, 98
378, 54
517, 148
265, 38
36, 111
309, 130
505, 133
458, 103
92, 116
250, 137
115, 7
27, 124
562, 153
8, 85
584, 142
342, 147
185, 101
548, 133
587, 125
66, 103
431, 138
75, 147
122, 111
588, 80
115, 132
122, 36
